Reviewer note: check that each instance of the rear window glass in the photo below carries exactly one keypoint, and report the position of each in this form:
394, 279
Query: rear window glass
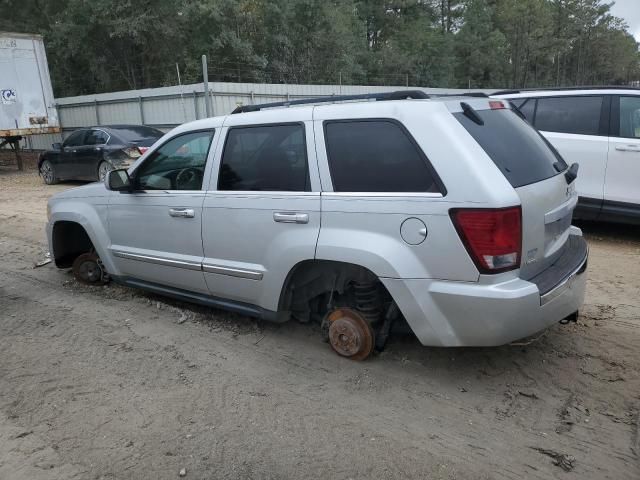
517, 149
577, 115
133, 133
375, 156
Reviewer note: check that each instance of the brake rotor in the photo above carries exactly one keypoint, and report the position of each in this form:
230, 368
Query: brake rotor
349, 334
86, 268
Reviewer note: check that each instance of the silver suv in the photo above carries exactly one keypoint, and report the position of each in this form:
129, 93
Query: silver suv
450, 213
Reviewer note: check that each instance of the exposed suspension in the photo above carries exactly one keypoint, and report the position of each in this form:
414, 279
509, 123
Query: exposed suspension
368, 301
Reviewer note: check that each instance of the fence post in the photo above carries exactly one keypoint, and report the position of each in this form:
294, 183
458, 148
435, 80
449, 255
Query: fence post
141, 111
195, 104
205, 79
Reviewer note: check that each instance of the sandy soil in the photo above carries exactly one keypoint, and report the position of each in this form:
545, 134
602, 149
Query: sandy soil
112, 383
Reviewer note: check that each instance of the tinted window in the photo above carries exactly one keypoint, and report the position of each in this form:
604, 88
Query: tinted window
75, 139
96, 137
272, 158
580, 115
133, 133
527, 108
630, 117
517, 149
375, 156
177, 165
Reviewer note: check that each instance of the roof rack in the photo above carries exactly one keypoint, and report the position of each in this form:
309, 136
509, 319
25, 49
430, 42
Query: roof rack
397, 95
464, 94
542, 89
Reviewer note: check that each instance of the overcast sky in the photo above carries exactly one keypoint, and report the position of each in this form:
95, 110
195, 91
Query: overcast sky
630, 11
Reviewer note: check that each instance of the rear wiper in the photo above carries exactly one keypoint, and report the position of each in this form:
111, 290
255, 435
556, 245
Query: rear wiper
471, 113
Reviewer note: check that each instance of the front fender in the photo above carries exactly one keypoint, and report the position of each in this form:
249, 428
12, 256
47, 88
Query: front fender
91, 214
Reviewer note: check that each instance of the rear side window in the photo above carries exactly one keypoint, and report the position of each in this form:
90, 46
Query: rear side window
517, 149
265, 158
376, 156
578, 115
96, 137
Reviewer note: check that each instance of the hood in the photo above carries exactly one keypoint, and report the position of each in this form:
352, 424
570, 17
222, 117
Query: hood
91, 190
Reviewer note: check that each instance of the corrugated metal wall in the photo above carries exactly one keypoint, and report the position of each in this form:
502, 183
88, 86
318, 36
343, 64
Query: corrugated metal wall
167, 107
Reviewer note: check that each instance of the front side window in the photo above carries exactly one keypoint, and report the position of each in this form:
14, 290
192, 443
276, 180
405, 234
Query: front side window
265, 158
375, 156
630, 117
578, 115
177, 165
75, 139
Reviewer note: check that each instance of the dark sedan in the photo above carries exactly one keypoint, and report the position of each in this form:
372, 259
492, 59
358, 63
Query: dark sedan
89, 153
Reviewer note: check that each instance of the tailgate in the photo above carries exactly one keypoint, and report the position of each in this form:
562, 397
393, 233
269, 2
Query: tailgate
547, 210
535, 171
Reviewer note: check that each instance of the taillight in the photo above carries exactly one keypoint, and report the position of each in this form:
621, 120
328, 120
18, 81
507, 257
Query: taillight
496, 105
493, 237
143, 149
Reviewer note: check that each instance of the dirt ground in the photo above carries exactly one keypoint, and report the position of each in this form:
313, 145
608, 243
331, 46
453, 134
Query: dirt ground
113, 383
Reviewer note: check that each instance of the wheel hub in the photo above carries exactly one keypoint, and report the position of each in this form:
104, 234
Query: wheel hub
86, 268
349, 334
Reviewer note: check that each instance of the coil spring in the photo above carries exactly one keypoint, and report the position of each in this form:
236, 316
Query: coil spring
368, 302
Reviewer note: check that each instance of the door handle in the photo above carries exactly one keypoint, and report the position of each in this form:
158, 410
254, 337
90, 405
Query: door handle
628, 148
290, 217
182, 212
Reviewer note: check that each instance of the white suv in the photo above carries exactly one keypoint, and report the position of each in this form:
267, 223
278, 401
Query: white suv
599, 128
452, 213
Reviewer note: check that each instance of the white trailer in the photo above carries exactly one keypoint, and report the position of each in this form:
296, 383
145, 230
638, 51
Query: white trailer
27, 106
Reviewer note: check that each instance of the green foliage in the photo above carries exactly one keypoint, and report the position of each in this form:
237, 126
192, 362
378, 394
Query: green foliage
106, 45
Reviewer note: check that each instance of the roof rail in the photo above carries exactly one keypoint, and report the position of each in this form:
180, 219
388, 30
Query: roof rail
543, 89
464, 94
397, 95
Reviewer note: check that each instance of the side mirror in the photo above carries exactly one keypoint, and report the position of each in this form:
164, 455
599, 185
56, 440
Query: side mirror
56, 146
118, 180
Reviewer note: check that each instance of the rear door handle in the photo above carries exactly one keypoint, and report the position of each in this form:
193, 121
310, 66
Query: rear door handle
182, 212
628, 148
290, 217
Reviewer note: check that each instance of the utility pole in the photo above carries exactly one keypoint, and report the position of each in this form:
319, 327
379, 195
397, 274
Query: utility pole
205, 79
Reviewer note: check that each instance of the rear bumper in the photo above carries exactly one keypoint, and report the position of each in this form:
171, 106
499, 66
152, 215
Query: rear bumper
456, 314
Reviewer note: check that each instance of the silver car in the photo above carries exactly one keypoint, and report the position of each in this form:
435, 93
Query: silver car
452, 214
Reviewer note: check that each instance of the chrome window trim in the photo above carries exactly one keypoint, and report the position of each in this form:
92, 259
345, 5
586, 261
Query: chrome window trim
383, 194
260, 193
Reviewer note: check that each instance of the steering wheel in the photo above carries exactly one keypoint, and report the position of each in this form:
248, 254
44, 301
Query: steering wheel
189, 178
